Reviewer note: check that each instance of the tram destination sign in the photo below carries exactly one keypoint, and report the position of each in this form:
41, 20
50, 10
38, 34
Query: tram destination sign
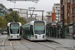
39, 23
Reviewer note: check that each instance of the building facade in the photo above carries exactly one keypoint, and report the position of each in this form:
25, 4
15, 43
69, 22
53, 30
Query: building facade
56, 11
49, 17
3, 10
69, 11
54, 15
73, 10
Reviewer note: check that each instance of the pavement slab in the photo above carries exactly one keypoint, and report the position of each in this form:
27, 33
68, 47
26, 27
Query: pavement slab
70, 43
1, 48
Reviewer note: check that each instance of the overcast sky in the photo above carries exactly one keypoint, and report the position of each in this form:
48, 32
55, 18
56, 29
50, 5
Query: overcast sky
42, 4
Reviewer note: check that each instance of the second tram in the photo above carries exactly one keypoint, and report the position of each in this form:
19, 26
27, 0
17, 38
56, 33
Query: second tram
35, 30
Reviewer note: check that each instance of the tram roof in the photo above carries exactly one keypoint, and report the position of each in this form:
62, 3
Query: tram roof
32, 23
14, 22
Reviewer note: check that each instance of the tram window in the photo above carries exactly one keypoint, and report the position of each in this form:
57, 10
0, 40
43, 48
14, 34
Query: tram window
31, 29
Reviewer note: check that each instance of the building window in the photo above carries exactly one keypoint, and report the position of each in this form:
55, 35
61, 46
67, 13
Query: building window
68, 14
68, 7
73, 10
63, 2
73, 1
68, 0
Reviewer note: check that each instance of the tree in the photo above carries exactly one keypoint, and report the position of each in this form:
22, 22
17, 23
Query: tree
3, 22
0, 22
14, 17
9, 18
10, 9
22, 20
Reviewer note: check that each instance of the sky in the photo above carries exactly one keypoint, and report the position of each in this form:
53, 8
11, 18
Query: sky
42, 4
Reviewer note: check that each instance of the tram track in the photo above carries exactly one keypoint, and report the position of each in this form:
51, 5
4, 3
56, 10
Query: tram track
45, 45
31, 45
14, 45
24, 44
34, 43
38, 44
50, 45
11, 45
59, 46
3, 44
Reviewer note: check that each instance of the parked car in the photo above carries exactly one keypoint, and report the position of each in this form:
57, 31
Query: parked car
4, 32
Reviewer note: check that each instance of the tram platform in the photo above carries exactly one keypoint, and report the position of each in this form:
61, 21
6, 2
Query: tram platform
63, 42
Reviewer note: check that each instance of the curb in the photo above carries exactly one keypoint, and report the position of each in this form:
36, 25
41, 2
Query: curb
53, 41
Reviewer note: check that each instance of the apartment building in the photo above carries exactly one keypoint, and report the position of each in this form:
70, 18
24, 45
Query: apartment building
56, 12
67, 9
3, 10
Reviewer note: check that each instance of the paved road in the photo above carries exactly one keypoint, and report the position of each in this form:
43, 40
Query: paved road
27, 45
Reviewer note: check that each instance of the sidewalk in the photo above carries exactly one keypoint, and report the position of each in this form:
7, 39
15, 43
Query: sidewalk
64, 42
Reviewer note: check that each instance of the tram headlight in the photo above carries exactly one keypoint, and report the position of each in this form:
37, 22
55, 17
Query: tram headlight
43, 36
35, 36
17, 36
11, 36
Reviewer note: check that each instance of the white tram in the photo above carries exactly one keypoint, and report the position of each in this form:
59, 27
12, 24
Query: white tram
14, 30
35, 30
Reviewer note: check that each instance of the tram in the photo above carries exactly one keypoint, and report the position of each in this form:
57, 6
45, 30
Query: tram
35, 30
14, 30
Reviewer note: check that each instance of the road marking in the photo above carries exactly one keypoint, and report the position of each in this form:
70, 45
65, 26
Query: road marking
11, 44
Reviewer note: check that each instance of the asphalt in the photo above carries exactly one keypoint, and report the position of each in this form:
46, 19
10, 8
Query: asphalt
64, 42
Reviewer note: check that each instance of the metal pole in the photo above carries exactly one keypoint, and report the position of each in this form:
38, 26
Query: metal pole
27, 16
42, 15
58, 24
63, 33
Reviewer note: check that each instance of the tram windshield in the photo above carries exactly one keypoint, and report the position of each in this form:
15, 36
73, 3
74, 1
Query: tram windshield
39, 28
14, 28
